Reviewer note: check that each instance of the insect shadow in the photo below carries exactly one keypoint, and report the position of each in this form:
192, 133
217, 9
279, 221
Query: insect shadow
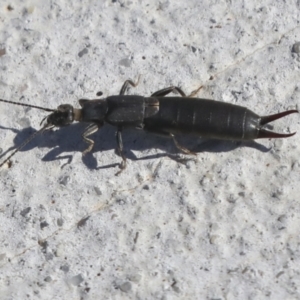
67, 140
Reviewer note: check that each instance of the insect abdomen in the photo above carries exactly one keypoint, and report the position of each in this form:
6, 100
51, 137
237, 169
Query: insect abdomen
202, 117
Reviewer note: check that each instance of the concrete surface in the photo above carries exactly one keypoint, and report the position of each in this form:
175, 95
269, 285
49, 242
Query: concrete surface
222, 226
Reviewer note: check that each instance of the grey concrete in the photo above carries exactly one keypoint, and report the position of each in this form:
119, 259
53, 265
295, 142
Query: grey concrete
222, 226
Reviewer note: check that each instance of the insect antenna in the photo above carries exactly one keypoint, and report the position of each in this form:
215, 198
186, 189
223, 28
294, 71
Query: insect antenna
28, 105
47, 126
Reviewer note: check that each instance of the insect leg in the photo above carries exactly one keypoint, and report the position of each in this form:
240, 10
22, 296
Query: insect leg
180, 147
168, 90
126, 83
92, 128
120, 149
195, 92
171, 135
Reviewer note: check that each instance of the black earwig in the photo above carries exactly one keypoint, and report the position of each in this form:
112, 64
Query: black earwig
164, 116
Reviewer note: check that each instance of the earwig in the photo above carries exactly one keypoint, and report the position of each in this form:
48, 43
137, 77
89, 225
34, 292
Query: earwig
167, 116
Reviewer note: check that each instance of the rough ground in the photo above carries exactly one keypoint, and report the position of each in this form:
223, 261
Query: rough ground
222, 226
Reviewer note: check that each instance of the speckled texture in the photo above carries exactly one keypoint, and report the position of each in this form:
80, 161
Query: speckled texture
222, 226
